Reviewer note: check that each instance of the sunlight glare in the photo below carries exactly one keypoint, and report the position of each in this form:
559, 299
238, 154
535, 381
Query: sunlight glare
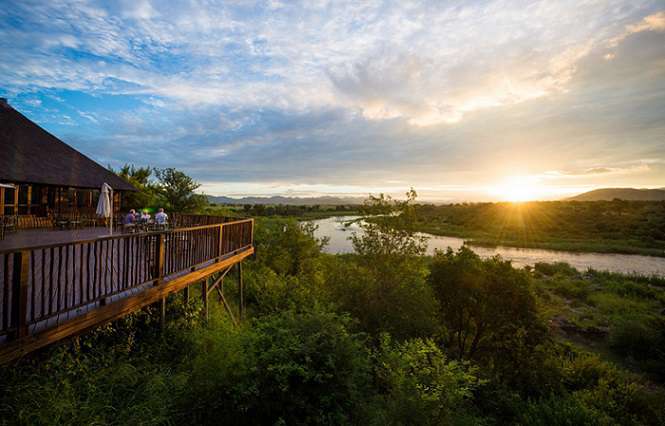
517, 189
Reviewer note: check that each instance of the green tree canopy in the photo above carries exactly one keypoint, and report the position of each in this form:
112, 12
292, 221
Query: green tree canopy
385, 286
484, 303
142, 179
177, 190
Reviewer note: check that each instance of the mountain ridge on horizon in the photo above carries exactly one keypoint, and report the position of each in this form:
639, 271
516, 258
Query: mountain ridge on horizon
601, 194
628, 194
285, 200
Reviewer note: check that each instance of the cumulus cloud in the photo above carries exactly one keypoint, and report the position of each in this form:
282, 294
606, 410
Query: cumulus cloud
346, 92
654, 22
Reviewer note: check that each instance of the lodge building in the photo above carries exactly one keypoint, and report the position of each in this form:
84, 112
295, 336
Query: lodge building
44, 177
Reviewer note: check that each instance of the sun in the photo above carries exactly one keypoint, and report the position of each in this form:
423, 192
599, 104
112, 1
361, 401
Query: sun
517, 190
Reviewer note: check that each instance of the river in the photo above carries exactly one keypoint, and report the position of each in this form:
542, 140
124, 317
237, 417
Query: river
339, 234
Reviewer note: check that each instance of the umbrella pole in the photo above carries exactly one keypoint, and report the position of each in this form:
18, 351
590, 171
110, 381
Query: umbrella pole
111, 219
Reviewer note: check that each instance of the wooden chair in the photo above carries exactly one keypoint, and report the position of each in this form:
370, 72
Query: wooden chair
89, 221
9, 224
62, 222
75, 221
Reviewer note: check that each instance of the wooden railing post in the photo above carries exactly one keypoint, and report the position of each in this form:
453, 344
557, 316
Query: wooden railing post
160, 253
221, 241
20, 292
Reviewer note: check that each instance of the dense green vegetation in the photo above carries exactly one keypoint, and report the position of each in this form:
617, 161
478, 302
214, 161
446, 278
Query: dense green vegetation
385, 336
619, 315
302, 212
168, 188
603, 226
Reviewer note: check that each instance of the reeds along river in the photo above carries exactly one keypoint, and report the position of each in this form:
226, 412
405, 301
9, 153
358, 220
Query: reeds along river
339, 234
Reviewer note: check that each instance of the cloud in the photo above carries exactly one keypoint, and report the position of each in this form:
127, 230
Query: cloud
33, 102
654, 22
425, 63
353, 94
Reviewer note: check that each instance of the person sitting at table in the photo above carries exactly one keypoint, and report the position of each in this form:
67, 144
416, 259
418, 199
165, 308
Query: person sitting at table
161, 218
145, 217
129, 220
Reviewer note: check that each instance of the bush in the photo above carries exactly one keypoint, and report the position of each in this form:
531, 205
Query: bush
488, 308
644, 342
571, 289
557, 411
400, 303
291, 367
615, 396
551, 269
121, 373
418, 385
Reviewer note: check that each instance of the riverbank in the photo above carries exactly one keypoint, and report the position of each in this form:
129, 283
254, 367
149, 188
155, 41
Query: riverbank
578, 246
337, 231
627, 227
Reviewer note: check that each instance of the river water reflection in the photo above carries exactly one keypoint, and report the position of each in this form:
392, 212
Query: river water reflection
339, 234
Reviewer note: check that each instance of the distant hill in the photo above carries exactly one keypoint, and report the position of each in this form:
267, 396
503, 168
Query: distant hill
631, 194
292, 201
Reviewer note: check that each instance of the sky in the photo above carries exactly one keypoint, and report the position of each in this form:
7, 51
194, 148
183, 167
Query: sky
462, 100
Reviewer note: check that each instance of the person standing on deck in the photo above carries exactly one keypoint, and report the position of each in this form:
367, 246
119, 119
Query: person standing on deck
161, 218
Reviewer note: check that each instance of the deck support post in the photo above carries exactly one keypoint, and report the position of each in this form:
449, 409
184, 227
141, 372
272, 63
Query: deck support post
204, 296
162, 313
241, 293
187, 295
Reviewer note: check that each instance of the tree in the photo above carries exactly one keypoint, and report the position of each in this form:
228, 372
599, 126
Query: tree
141, 179
484, 303
177, 190
381, 237
490, 314
385, 286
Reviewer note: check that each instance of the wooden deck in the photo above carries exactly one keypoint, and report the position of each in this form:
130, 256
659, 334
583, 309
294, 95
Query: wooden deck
27, 238
48, 292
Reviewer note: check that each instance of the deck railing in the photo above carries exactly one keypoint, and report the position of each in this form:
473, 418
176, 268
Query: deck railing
180, 220
39, 286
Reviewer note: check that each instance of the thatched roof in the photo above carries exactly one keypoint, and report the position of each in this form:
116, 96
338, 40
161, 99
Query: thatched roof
30, 154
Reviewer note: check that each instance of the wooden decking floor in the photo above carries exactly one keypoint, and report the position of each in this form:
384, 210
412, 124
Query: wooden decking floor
26, 238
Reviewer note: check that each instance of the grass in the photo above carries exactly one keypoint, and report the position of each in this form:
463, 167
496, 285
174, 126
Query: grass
633, 227
585, 245
619, 316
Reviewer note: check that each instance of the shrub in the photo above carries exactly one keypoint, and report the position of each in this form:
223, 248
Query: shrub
292, 367
121, 373
558, 411
615, 396
418, 385
643, 341
550, 269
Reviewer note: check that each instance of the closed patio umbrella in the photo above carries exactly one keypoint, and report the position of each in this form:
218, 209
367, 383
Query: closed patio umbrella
105, 205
